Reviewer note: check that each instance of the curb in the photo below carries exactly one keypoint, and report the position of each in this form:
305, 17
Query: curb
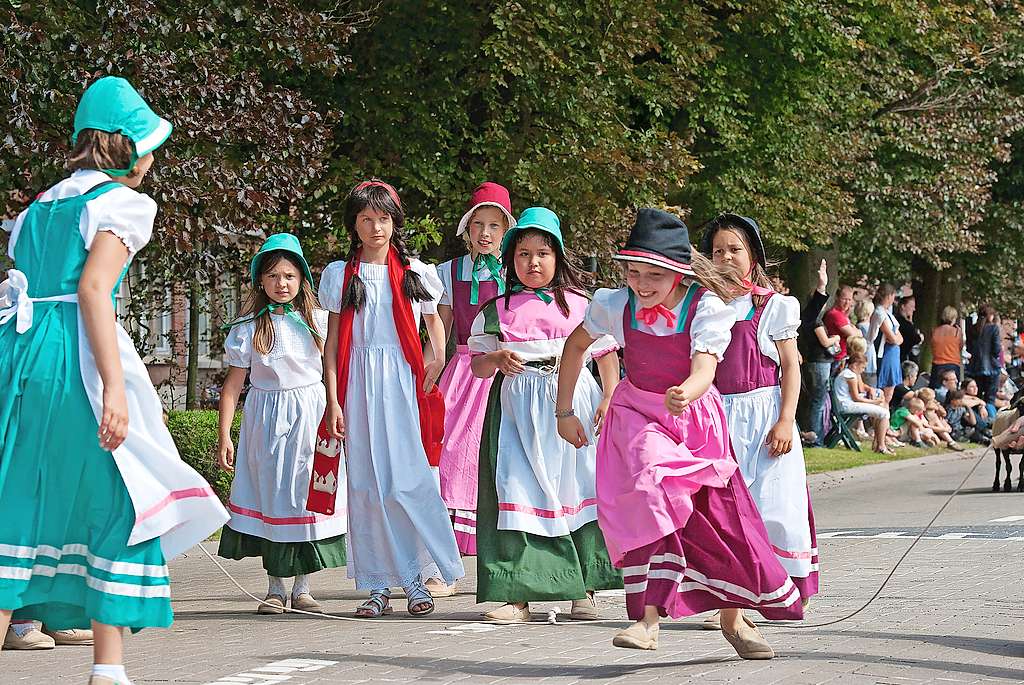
830, 479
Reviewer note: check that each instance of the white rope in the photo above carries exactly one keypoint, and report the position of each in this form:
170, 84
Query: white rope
553, 613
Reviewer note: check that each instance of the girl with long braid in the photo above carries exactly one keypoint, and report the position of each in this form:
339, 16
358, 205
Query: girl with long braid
379, 400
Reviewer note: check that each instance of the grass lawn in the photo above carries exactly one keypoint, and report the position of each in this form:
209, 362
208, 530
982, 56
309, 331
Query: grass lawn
821, 459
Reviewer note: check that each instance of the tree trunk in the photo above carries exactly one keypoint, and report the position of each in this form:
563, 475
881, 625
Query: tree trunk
800, 271
927, 284
192, 375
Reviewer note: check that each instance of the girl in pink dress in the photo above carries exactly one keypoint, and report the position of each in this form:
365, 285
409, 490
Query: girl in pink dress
673, 508
469, 281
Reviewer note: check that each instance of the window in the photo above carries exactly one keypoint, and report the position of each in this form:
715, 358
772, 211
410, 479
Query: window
156, 314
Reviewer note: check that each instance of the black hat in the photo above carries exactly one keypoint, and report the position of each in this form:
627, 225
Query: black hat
742, 223
660, 239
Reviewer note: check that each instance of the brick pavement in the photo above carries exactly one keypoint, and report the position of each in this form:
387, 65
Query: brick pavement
953, 614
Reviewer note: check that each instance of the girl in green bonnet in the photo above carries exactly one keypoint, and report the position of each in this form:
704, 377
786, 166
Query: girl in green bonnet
93, 493
278, 343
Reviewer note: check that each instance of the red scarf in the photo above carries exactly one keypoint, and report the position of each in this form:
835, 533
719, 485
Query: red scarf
431, 404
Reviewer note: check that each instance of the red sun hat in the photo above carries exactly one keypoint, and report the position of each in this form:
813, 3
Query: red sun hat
488, 193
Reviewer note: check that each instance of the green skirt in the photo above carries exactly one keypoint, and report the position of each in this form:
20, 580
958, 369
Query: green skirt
513, 566
284, 559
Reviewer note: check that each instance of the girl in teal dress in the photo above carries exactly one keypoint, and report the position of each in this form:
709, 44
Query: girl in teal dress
93, 495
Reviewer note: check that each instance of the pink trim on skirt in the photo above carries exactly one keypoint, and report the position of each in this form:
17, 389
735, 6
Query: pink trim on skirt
721, 559
809, 586
465, 399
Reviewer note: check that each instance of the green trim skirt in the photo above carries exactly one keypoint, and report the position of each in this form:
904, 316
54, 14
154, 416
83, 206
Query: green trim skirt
513, 566
284, 559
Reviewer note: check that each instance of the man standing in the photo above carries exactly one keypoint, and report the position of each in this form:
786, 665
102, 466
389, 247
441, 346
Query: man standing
837, 320
816, 348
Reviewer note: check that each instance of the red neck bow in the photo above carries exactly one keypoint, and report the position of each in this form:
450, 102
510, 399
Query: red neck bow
649, 315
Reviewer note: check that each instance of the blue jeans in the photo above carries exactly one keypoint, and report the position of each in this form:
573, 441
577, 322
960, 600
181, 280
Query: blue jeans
816, 377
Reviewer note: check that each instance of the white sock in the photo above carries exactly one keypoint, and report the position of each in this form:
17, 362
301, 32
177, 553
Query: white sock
21, 628
301, 585
114, 672
277, 587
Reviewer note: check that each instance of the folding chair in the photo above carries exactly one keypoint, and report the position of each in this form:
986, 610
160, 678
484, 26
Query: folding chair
840, 428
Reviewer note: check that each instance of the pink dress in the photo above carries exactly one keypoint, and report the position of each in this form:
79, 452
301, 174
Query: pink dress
748, 379
675, 516
465, 400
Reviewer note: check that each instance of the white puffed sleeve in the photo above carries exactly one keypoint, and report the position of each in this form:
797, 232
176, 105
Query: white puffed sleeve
126, 213
331, 282
428, 276
238, 345
779, 321
711, 329
604, 316
320, 319
480, 341
606, 344
445, 272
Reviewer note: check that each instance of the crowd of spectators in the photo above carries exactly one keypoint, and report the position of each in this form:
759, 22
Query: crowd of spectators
869, 367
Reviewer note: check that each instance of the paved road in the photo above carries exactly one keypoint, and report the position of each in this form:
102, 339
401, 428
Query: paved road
954, 613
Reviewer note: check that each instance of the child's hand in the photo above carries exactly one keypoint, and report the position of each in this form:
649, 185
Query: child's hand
677, 399
226, 456
335, 421
114, 424
508, 362
602, 411
780, 439
571, 430
431, 371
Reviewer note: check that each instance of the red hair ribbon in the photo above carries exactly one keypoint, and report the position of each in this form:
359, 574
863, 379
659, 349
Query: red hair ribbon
381, 184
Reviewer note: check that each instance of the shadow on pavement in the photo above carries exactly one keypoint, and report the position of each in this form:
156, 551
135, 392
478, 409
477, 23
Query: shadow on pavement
983, 645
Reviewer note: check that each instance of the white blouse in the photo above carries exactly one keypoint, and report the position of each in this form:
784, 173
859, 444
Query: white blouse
446, 272
780, 320
333, 280
710, 330
125, 212
294, 362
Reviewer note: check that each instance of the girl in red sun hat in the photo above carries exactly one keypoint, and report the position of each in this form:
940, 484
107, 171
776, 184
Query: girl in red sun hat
469, 282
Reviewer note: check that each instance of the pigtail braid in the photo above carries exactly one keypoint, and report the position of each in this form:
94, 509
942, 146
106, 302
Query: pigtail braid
412, 284
355, 292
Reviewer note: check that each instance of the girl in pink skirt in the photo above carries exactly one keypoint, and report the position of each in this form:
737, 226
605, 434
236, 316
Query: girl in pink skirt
673, 508
469, 281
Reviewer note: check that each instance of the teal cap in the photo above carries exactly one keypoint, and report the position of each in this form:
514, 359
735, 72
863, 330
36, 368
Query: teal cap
281, 242
111, 104
540, 218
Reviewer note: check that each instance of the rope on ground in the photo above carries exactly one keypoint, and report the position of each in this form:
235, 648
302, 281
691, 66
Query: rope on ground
552, 617
906, 553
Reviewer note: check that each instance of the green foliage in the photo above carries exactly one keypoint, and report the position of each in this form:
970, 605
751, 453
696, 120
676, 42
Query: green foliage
196, 435
885, 129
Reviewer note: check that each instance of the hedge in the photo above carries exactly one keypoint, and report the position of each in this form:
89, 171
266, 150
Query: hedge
195, 434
